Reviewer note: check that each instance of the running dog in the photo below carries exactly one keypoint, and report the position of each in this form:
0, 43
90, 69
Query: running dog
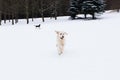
38, 26
60, 41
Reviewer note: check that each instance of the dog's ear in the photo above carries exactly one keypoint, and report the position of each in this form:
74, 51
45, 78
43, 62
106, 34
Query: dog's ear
65, 33
57, 32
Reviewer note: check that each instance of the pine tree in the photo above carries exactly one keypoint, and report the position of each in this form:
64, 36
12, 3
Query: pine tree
86, 7
92, 7
73, 10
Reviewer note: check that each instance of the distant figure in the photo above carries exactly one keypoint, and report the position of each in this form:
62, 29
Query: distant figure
38, 26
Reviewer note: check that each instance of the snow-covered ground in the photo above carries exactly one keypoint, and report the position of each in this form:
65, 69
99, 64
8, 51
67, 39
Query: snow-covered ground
92, 50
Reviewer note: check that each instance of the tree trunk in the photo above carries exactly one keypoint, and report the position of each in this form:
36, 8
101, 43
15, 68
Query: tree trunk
33, 11
93, 16
118, 10
85, 15
16, 18
9, 17
55, 11
0, 17
27, 12
0, 11
32, 16
27, 18
42, 12
42, 16
5, 18
12, 18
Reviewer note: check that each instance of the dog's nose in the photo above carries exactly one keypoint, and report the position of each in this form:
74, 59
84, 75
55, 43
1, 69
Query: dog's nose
62, 37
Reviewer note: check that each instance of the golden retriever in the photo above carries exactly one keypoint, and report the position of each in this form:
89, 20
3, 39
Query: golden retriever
60, 41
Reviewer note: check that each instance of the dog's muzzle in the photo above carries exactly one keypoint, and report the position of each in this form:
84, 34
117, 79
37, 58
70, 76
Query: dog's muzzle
62, 37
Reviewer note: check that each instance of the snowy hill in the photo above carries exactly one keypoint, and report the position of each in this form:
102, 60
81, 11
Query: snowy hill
92, 50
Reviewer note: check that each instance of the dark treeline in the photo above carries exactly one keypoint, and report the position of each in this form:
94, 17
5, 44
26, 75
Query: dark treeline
112, 4
17, 9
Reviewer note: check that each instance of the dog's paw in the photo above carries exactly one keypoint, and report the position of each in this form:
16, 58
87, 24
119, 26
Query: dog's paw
60, 53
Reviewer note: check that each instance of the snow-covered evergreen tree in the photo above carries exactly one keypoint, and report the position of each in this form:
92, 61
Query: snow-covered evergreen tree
73, 10
86, 7
92, 7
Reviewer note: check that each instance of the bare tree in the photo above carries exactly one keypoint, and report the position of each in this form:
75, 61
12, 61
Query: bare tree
118, 10
26, 10
0, 17
55, 9
33, 4
4, 10
12, 10
0, 11
41, 10
49, 8
16, 10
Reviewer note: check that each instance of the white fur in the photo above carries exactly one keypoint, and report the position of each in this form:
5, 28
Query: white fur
60, 41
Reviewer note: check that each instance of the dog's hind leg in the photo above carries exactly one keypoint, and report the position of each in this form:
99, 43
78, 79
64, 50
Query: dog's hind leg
60, 50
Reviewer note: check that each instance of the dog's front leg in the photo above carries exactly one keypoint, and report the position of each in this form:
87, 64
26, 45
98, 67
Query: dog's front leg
60, 50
